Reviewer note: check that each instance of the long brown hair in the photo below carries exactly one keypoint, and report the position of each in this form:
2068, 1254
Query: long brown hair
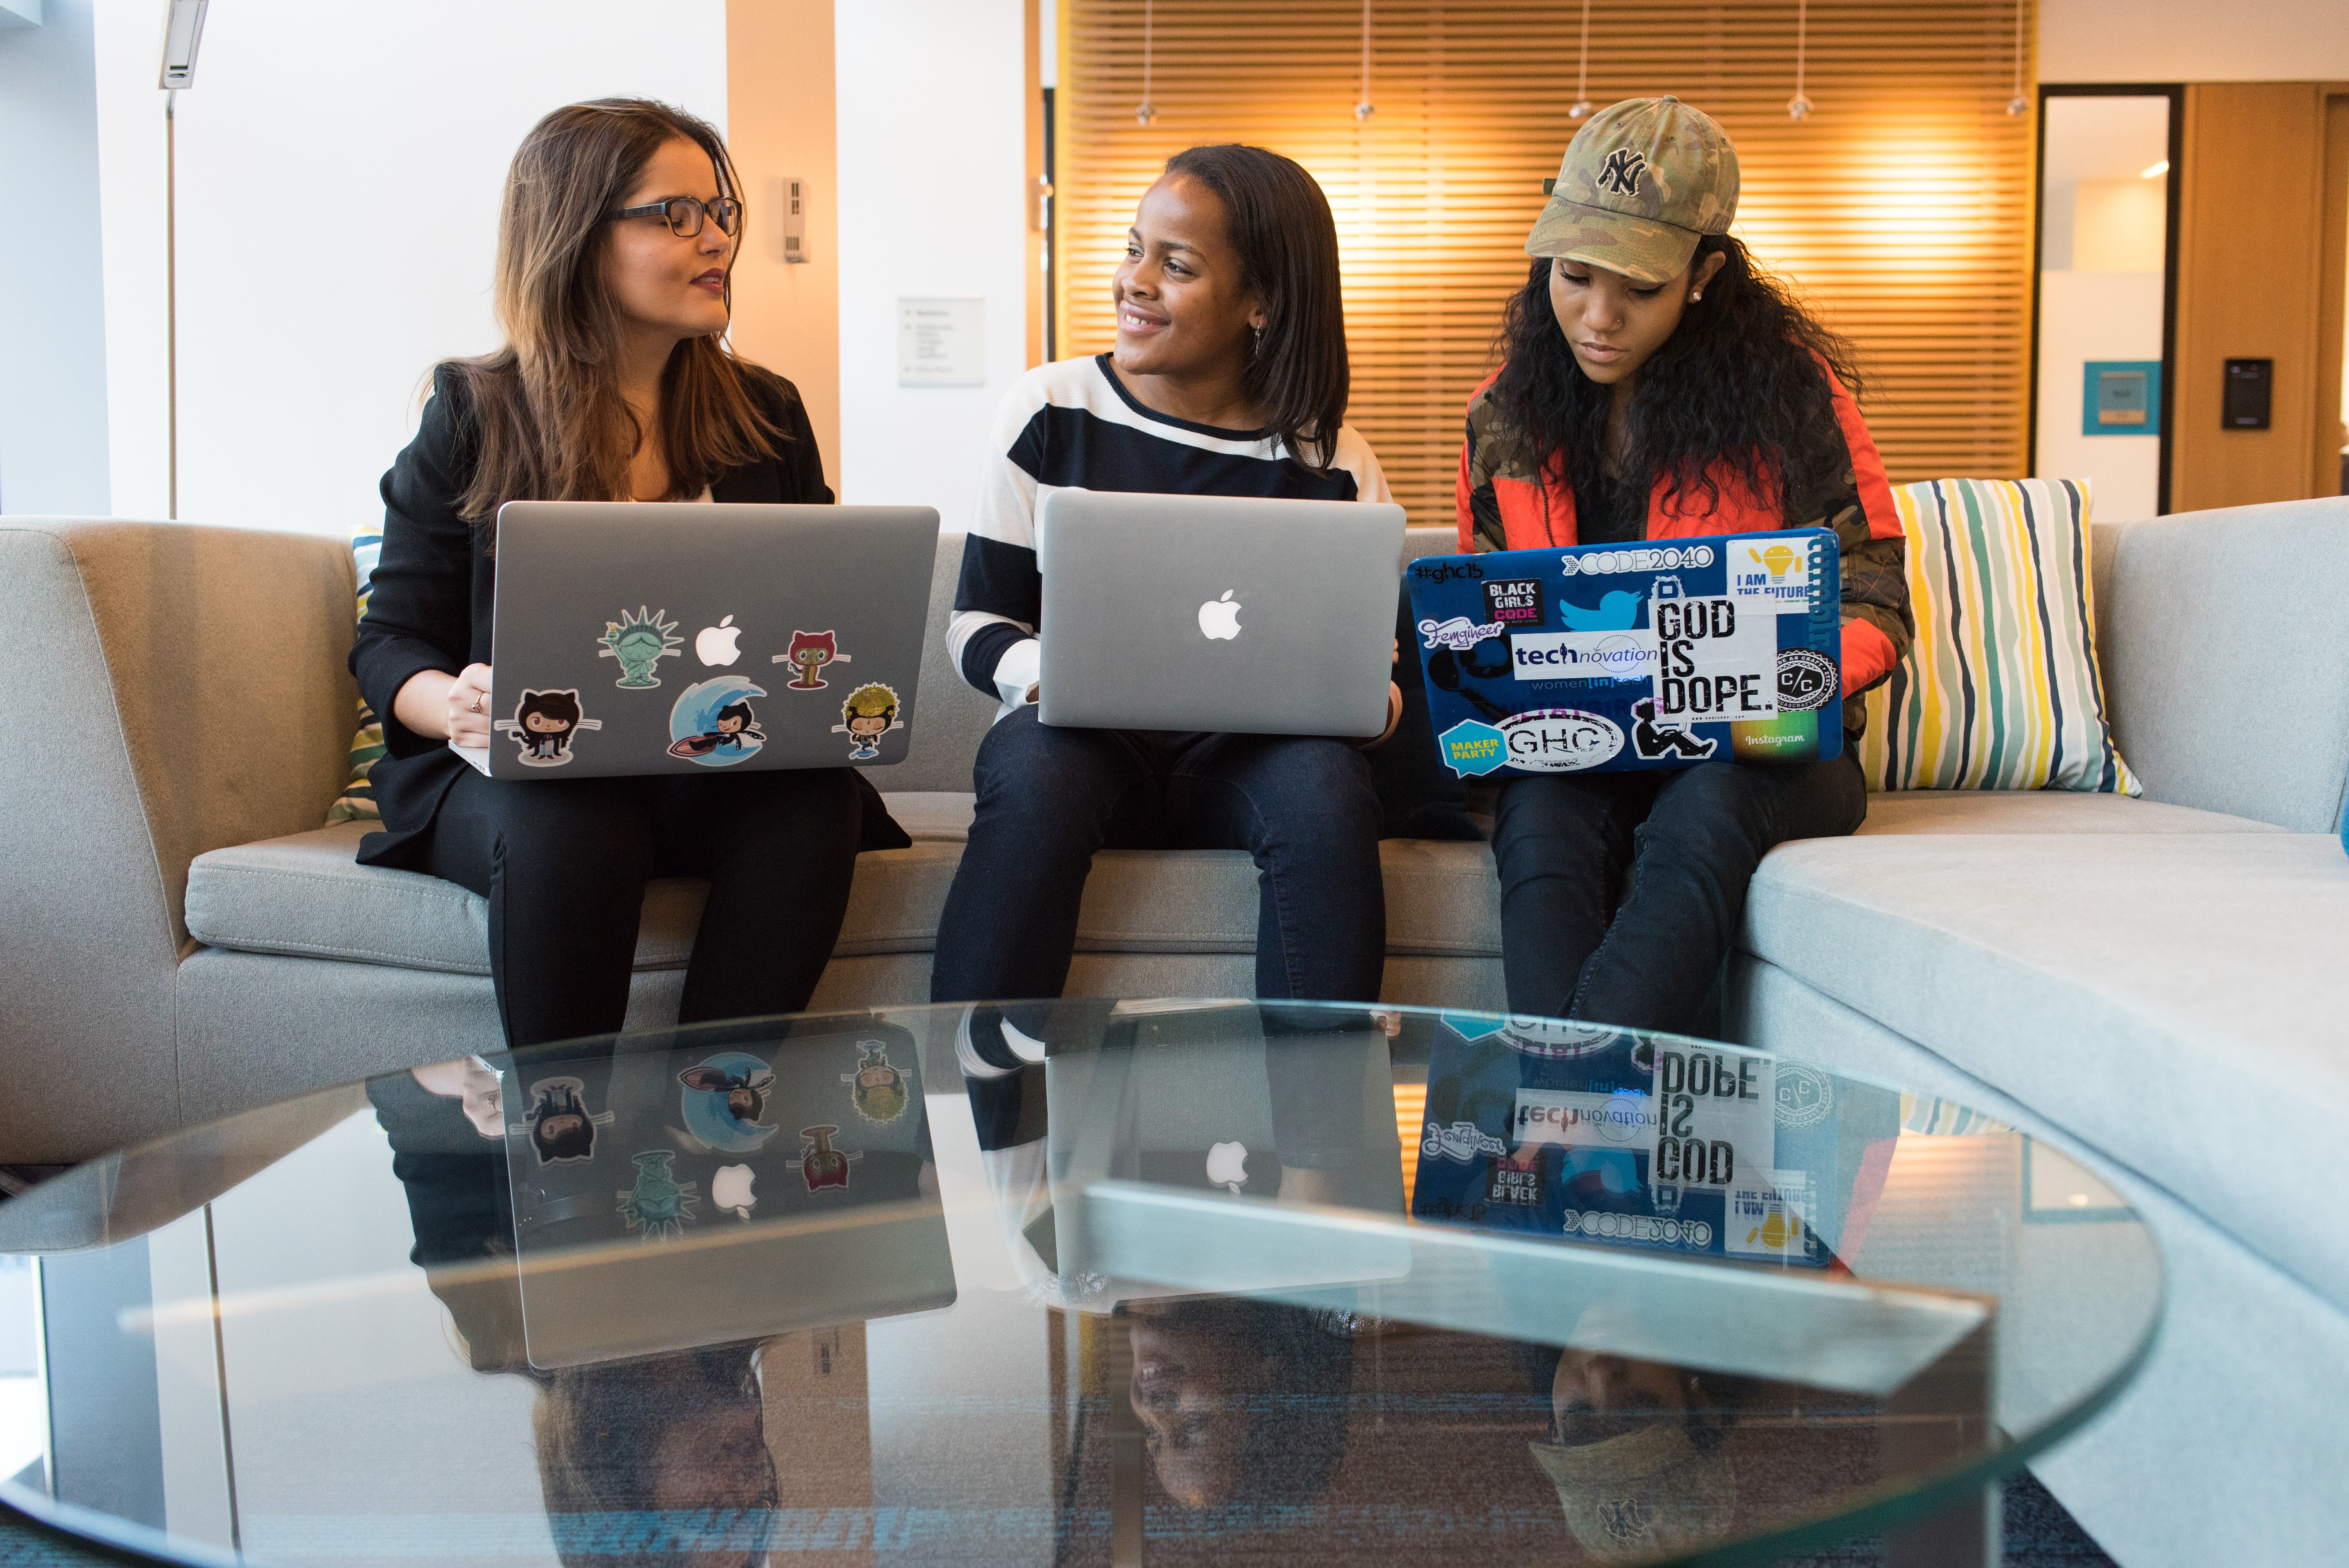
1279, 222
547, 421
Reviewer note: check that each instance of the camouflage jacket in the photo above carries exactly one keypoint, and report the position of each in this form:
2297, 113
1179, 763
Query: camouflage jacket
1504, 505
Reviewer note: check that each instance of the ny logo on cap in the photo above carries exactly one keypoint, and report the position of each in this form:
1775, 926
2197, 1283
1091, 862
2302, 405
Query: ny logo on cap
1621, 174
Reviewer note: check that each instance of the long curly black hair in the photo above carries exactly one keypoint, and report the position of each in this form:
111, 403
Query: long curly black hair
1738, 380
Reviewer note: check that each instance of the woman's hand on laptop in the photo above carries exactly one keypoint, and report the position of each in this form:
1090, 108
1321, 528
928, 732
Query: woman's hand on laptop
468, 706
454, 707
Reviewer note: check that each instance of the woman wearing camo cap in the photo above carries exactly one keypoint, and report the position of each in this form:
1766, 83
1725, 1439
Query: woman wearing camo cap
1656, 384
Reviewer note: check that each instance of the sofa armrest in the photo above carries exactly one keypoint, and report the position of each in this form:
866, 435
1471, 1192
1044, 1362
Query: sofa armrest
164, 690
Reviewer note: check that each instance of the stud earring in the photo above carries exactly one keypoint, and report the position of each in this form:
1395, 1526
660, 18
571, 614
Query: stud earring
1695, 294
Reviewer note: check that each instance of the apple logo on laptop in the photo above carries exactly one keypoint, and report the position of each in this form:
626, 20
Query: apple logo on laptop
1219, 619
729, 1188
1227, 1165
715, 644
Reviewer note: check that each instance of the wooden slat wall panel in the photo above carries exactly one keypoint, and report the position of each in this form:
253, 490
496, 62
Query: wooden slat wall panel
1902, 208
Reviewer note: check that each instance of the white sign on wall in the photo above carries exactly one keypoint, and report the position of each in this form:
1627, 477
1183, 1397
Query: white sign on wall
942, 341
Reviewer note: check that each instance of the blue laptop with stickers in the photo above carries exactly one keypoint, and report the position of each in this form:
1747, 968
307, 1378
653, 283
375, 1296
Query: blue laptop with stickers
1608, 657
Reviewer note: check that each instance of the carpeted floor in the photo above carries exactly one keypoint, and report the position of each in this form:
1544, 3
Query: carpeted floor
2038, 1533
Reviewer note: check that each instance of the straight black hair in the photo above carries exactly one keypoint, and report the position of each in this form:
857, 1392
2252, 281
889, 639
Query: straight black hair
1739, 380
1278, 220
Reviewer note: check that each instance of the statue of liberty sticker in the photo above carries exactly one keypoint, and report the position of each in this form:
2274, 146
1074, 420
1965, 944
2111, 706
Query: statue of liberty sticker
659, 1206
638, 642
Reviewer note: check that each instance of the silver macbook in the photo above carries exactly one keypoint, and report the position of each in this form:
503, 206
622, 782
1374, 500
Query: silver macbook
671, 637
1217, 613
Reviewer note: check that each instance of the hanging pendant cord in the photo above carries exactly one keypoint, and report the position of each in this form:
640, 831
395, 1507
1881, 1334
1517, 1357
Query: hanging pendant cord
1146, 111
1363, 107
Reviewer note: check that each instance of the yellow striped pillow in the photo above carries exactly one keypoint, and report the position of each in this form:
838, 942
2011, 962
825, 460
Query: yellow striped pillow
2000, 689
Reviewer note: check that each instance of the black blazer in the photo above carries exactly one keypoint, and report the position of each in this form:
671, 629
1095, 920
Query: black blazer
431, 599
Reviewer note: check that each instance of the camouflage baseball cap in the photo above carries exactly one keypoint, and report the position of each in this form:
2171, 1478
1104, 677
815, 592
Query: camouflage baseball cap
1641, 181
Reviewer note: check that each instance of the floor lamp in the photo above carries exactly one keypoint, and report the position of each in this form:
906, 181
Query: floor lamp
183, 29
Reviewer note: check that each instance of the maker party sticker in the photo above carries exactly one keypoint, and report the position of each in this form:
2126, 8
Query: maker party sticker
1471, 747
1559, 740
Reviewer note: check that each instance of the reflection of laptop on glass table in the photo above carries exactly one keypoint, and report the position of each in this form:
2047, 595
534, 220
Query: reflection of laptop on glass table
1224, 614
668, 637
1658, 655
1194, 1098
745, 1186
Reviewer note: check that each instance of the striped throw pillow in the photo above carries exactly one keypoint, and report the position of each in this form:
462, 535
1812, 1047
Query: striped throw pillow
2000, 689
357, 802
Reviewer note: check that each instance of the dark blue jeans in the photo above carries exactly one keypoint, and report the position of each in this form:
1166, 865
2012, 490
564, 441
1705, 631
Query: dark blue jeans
1048, 797
1621, 893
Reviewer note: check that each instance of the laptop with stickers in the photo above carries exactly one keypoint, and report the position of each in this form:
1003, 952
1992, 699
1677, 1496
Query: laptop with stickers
671, 637
753, 1183
1634, 656
1231, 614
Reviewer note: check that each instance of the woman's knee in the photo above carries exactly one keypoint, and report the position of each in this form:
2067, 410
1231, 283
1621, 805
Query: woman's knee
1038, 773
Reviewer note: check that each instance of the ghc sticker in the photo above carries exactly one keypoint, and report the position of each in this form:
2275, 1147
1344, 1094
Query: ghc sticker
1559, 740
1472, 749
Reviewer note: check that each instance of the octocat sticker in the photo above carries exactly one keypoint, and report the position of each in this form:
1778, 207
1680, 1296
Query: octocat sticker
543, 725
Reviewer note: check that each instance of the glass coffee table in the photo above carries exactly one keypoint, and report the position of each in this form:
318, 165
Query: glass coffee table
1067, 1283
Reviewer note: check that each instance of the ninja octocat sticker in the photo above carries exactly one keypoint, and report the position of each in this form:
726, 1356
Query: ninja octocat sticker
562, 1129
543, 724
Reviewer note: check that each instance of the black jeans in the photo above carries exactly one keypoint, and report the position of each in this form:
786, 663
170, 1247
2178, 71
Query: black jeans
1050, 796
1621, 893
564, 864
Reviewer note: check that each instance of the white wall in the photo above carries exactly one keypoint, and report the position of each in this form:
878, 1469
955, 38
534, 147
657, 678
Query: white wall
52, 308
2193, 41
339, 174
933, 154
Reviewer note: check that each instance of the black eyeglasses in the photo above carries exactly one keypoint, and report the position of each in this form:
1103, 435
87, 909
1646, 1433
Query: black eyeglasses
683, 214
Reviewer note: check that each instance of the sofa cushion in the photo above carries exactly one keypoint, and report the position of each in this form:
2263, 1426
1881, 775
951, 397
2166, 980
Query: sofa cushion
2041, 811
2000, 688
306, 895
2171, 998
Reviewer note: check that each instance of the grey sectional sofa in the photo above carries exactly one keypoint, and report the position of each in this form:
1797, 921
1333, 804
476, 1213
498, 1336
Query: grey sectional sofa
2159, 982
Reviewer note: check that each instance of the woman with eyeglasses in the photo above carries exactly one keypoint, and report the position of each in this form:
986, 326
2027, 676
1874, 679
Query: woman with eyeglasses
616, 245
